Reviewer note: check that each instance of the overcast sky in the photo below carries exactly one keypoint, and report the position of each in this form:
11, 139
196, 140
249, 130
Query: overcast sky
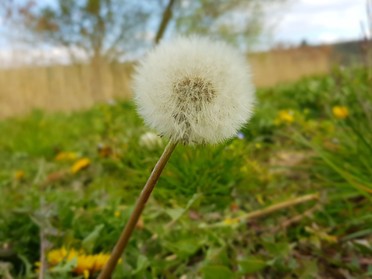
321, 21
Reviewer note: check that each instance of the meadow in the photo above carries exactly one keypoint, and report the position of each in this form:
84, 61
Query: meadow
289, 197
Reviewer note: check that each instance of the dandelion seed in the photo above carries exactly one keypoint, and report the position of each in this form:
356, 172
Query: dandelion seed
194, 90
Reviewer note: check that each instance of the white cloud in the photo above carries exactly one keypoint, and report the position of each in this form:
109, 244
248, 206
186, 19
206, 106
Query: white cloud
328, 37
322, 21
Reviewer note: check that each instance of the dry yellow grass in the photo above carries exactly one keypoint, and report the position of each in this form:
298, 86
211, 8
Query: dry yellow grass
64, 88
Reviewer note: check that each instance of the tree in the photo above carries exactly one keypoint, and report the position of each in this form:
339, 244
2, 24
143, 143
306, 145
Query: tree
100, 28
111, 28
103, 31
237, 21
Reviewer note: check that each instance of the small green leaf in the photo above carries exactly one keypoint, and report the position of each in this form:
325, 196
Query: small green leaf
28, 265
250, 265
280, 249
89, 241
185, 247
310, 270
142, 264
217, 256
217, 272
65, 266
175, 213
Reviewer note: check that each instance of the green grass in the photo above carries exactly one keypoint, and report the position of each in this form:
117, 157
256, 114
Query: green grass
188, 225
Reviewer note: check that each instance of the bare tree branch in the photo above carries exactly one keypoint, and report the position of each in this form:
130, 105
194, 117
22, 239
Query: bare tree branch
167, 15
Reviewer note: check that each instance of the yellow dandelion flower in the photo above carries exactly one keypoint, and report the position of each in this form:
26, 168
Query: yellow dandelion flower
284, 117
79, 165
59, 255
85, 264
340, 112
231, 221
66, 156
19, 175
99, 261
117, 213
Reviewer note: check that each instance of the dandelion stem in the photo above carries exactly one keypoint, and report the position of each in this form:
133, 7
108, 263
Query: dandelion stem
140, 205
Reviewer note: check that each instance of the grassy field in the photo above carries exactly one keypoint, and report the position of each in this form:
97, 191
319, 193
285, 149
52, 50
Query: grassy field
290, 197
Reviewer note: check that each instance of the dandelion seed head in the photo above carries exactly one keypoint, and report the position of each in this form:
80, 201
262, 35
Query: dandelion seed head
194, 90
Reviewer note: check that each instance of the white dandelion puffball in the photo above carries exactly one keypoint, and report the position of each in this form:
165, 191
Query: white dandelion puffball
194, 90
